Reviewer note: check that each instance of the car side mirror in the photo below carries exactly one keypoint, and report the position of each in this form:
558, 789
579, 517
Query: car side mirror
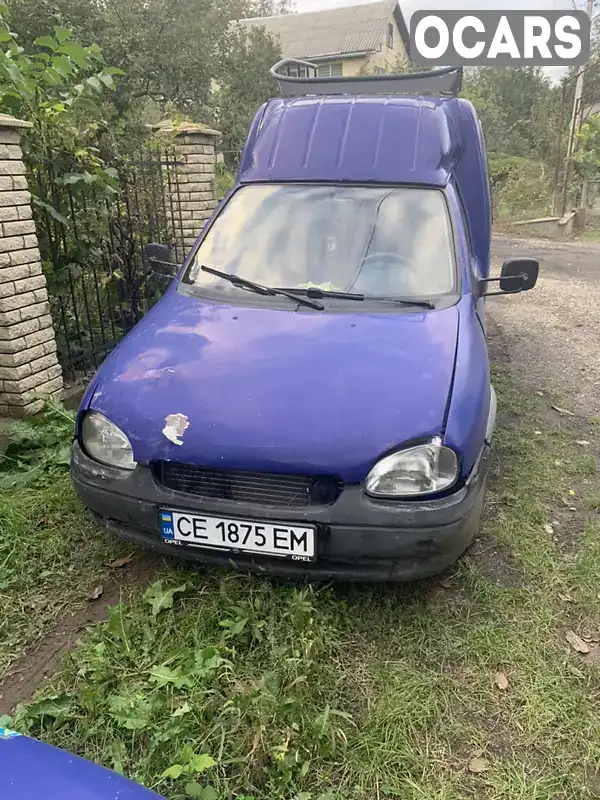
518, 275
157, 258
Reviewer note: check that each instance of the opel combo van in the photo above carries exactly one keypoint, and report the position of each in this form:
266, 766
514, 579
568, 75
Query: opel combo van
311, 396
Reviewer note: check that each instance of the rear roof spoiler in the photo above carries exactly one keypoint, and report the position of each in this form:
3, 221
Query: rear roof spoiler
445, 82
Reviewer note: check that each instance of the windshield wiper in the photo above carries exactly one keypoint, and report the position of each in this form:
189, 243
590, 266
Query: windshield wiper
319, 294
267, 291
408, 303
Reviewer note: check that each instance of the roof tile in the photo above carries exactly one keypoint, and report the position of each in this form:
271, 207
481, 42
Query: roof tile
351, 29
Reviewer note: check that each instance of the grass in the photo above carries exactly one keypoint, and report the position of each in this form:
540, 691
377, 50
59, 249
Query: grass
50, 551
216, 685
590, 235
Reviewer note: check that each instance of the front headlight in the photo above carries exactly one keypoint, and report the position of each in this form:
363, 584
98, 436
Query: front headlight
105, 442
421, 470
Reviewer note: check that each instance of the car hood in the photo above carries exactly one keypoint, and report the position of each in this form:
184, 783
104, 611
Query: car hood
271, 390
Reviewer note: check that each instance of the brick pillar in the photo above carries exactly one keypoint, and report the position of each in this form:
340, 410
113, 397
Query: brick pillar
195, 198
29, 370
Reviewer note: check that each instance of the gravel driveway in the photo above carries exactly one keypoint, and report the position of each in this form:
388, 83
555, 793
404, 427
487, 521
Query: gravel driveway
553, 332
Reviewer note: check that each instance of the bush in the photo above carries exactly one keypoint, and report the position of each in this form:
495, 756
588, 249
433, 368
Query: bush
521, 188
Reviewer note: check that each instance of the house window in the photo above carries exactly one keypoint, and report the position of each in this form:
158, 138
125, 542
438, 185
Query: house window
331, 70
296, 71
390, 36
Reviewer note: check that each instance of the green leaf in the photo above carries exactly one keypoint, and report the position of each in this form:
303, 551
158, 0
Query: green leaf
63, 65
76, 53
118, 624
106, 80
163, 676
210, 793
160, 598
63, 456
85, 103
14, 73
113, 71
71, 178
187, 753
94, 82
174, 771
62, 34
5, 35
200, 763
46, 41
131, 712
51, 210
55, 707
193, 789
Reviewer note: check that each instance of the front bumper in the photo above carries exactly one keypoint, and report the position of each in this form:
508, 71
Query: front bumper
358, 538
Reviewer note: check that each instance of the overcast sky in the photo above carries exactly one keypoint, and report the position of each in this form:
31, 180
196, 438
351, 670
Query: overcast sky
408, 6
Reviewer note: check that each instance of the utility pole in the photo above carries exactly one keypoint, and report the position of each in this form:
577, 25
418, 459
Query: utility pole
576, 115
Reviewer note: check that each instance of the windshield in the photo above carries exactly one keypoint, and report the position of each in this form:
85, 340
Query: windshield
376, 241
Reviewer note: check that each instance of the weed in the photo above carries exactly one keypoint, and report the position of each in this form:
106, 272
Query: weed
38, 448
50, 550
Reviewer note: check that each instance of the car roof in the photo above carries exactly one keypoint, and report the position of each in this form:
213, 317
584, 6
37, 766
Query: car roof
354, 138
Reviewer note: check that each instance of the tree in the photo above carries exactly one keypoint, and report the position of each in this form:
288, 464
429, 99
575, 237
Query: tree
57, 85
518, 108
587, 157
168, 49
244, 84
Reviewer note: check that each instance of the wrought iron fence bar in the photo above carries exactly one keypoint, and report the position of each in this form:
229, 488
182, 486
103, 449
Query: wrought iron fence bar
89, 318
106, 269
66, 335
148, 216
133, 299
100, 351
56, 200
99, 304
76, 316
53, 252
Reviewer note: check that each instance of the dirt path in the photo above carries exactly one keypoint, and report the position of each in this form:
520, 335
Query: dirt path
553, 332
44, 656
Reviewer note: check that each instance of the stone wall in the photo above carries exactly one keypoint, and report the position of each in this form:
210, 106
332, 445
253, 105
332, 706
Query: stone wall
29, 370
193, 201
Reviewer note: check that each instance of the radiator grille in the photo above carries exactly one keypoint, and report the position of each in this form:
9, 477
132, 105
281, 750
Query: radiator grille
261, 488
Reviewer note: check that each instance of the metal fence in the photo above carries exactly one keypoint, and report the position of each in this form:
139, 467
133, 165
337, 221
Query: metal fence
91, 239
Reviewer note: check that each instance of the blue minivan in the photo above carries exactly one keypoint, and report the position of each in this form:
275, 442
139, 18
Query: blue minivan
311, 397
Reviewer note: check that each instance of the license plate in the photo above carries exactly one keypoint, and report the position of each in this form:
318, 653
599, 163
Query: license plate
278, 539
